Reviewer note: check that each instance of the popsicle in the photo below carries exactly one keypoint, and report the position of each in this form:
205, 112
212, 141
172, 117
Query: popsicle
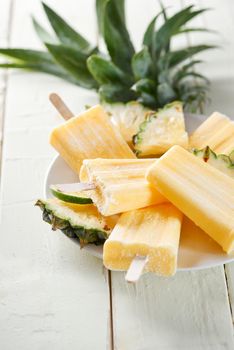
200, 191
120, 184
89, 135
151, 233
217, 132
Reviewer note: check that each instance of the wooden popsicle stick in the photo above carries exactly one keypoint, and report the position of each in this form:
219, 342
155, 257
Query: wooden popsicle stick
75, 187
136, 268
60, 106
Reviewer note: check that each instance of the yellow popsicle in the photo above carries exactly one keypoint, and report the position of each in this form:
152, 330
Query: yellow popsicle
89, 135
120, 184
153, 232
217, 132
200, 191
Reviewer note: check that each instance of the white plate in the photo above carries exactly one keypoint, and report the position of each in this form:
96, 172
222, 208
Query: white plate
197, 250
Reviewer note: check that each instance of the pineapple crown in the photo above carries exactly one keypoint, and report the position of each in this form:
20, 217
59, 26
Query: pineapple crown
154, 76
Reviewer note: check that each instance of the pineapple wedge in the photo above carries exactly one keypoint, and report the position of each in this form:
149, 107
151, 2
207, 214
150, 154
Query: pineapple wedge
221, 162
161, 130
127, 117
77, 221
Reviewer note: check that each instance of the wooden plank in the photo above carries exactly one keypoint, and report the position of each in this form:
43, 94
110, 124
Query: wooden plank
229, 274
4, 40
220, 70
226, 101
190, 310
52, 294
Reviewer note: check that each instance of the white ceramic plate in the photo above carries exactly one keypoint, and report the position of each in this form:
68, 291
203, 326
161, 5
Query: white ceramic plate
197, 250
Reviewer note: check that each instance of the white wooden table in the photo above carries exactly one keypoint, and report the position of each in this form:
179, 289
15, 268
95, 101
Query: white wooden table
54, 296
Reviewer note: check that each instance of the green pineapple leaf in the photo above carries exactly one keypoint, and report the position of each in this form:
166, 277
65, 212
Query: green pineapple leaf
172, 26
193, 95
174, 58
183, 75
65, 33
100, 11
35, 60
165, 93
33, 56
145, 85
105, 71
146, 90
74, 62
42, 33
189, 30
149, 34
112, 93
142, 64
117, 38
40, 67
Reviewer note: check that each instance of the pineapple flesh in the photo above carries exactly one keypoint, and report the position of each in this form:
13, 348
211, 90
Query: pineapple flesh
161, 130
127, 117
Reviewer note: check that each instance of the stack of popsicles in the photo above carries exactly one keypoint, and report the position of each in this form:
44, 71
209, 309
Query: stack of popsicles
151, 195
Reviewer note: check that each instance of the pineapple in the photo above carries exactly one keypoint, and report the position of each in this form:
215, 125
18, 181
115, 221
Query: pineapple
161, 130
127, 117
77, 221
221, 161
154, 76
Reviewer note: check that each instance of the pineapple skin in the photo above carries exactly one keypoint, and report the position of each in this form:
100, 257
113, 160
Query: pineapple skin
77, 220
127, 117
153, 231
207, 198
87, 136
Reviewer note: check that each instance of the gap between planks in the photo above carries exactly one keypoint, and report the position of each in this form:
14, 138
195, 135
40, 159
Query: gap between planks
111, 321
226, 274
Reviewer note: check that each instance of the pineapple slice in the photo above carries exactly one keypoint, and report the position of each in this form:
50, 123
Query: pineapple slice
161, 130
221, 161
127, 117
77, 221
